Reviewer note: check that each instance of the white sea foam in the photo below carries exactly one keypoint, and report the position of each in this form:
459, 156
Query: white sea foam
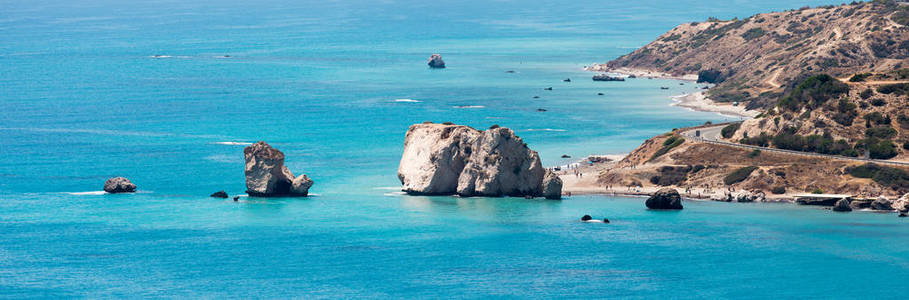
160, 56
394, 194
88, 193
469, 106
408, 100
546, 129
234, 143
388, 188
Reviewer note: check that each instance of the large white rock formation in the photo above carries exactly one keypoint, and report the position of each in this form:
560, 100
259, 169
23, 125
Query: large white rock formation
446, 159
266, 175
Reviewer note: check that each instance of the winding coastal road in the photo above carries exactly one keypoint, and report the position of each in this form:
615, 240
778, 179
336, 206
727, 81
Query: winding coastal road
713, 134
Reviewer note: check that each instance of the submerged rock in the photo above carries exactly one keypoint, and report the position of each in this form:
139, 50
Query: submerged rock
586, 218
219, 194
446, 159
436, 62
266, 175
665, 198
842, 205
119, 185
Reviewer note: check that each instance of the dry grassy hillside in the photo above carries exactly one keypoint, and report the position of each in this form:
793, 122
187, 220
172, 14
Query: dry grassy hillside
755, 60
698, 165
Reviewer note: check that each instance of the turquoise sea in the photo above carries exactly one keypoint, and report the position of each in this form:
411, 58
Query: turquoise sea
335, 84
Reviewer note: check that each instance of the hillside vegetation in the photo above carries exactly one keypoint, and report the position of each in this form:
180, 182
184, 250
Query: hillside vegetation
758, 59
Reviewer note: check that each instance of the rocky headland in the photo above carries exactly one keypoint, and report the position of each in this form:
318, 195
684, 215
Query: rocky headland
448, 159
819, 83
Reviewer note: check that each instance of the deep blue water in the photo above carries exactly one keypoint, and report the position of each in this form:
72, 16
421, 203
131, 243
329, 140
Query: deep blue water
82, 99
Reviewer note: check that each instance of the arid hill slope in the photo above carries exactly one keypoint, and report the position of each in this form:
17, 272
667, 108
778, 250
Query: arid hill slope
754, 60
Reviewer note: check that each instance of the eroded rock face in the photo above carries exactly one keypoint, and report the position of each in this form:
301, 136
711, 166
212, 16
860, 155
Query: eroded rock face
881, 203
552, 186
901, 204
445, 159
666, 198
300, 185
501, 165
119, 185
436, 62
266, 175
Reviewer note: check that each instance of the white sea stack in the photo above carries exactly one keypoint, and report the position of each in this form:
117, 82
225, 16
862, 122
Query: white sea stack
446, 159
266, 175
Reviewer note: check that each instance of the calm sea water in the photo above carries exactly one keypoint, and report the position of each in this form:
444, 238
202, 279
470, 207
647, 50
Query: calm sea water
82, 98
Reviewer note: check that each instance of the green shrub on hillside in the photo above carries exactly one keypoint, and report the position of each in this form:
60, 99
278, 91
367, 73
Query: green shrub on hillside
882, 150
859, 77
753, 33
730, 130
897, 88
739, 175
813, 92
880, 132
668, 144
846, 113
897, 179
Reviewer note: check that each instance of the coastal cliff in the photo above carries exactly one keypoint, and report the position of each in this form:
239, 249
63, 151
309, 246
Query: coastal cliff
447, 159
755, 59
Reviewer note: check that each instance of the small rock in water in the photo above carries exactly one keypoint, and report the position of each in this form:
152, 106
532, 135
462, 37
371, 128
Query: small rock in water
509, 71
664, 88
236, 198
600, 94
541, 109
566, 156
436, 62
681, 83
632, 76
903, 215
586, 218
548, 89
536, 97
119, 185
219, 194
606, 221
567, 80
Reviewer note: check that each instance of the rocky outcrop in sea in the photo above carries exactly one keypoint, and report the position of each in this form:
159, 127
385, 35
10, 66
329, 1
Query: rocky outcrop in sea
266, 175
665, 198
447, 159
436, 62
119, 185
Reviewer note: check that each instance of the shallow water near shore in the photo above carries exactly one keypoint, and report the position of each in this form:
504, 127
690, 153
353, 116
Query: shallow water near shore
168, 94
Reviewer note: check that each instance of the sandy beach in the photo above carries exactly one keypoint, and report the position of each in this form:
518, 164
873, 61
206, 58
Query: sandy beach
694, 101
640, 73
699, 102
